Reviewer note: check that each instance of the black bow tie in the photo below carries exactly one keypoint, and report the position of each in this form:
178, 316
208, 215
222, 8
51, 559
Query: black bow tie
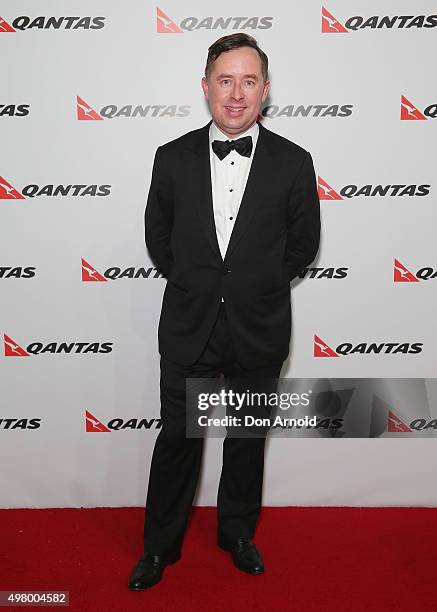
243, 146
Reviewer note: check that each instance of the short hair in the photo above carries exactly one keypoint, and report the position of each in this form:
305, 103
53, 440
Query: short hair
235, 41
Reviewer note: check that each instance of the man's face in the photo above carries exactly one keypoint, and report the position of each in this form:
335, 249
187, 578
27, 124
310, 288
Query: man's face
235, 90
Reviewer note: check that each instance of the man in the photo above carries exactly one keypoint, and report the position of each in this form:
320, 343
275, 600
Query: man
232, 216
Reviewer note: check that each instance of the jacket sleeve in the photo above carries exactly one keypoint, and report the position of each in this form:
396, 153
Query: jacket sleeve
303, 225
159, 215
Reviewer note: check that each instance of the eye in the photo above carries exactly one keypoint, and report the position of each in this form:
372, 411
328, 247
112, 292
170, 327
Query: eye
250, 82
225, 81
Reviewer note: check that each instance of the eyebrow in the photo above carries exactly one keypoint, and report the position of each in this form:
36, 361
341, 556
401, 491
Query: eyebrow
246, 76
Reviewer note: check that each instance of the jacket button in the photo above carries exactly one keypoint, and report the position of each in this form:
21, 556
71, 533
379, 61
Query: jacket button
226, 270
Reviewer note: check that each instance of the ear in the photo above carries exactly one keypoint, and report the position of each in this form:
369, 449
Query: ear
265, 90
205, 87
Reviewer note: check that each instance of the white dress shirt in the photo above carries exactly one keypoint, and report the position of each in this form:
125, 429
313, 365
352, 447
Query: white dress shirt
228, 181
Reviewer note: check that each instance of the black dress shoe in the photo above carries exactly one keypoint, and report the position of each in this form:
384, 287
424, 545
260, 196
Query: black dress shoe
149, 569
245, 554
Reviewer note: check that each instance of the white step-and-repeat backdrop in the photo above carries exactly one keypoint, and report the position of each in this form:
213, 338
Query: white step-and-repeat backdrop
89, 91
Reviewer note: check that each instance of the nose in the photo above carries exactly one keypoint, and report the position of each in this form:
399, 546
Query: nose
237, 92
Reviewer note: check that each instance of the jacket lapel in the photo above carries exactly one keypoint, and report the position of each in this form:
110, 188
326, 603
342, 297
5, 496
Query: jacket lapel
261, 173
202, 178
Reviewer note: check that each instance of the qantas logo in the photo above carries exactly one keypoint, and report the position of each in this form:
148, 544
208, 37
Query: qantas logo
8, 192
395, 424
13, 349
331, 25
322, 425
422, 424
14, 110
17, 272
326, 192
324, 273
401, 274
5, 26
410, 112
307, 110
322, 349
165, 25
93, 425
17, 423
85, 112
90, 274
52, 23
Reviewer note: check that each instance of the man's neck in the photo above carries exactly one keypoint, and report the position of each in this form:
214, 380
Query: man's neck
233, 136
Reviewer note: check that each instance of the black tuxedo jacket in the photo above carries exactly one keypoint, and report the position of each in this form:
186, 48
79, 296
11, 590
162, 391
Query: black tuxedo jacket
276, 235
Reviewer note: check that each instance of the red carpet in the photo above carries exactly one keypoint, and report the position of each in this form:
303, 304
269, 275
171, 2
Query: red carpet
317, 559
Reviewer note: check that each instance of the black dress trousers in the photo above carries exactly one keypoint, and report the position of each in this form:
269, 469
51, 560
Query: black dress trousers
176, 459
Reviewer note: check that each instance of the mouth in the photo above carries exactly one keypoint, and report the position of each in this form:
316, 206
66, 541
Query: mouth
235, 110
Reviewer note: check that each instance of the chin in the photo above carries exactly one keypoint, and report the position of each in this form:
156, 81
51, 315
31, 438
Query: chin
237, 124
